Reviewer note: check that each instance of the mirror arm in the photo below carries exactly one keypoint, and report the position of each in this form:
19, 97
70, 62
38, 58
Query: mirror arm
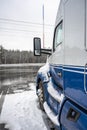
46, 51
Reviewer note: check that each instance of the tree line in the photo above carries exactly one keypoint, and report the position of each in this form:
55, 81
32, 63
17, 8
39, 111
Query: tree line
17, 56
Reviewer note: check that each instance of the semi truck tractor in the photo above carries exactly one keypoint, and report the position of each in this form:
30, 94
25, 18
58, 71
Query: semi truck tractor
61, 83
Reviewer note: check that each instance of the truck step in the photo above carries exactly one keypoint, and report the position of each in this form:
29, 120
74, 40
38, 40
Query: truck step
52, 117
54, 93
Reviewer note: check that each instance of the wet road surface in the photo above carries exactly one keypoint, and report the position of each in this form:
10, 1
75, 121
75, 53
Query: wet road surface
12, 73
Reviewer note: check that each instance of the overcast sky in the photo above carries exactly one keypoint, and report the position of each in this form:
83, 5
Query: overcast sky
21, 20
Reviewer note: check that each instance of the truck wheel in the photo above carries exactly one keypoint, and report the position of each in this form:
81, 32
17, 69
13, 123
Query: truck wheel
41, 95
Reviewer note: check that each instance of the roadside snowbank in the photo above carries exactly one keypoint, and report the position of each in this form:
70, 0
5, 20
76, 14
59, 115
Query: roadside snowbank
20, 111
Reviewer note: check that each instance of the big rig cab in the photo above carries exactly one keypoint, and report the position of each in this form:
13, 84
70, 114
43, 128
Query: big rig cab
62, 82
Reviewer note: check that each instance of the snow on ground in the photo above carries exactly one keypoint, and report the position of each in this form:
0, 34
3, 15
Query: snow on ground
20, 111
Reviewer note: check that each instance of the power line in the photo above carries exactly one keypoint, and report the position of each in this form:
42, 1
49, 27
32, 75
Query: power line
7, 22
24, 25
24, 22
18, 35
19, 30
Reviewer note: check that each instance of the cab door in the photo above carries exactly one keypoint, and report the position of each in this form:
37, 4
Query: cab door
85, 78
85, 66
56, 59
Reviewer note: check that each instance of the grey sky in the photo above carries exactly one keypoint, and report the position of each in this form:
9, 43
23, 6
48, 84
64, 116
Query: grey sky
19, 33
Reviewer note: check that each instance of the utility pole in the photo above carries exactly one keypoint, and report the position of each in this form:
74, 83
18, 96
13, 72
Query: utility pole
43, 25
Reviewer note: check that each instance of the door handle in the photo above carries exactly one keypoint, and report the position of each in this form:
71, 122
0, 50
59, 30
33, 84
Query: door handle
60, 74
73, 115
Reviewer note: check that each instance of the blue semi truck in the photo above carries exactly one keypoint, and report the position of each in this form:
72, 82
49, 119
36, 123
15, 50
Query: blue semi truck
61, 83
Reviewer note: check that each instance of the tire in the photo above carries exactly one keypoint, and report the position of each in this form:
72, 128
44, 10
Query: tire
41, 95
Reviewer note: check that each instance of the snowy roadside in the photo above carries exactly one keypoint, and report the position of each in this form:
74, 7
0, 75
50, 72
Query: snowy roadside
20, 111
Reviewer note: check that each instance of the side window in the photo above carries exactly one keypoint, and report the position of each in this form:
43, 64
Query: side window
58, 35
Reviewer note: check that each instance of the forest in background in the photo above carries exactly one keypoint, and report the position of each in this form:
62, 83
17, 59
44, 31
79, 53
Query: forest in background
17, 56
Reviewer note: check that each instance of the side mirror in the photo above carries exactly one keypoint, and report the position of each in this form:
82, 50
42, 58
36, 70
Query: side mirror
37, 46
